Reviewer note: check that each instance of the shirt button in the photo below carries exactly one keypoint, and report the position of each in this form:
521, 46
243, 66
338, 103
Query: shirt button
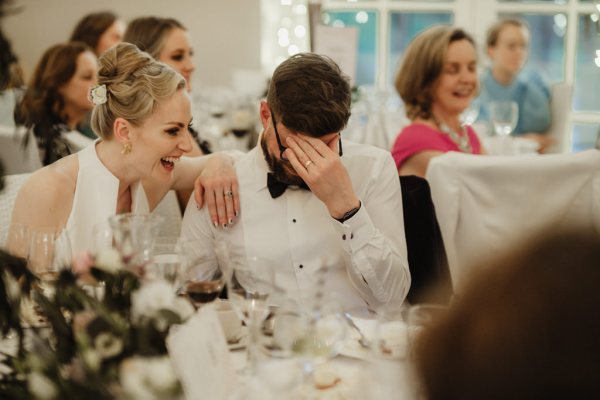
352, 236
344, 236
294, 220
300, 266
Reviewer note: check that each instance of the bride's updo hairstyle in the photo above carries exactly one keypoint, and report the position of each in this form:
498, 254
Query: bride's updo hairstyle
134, 83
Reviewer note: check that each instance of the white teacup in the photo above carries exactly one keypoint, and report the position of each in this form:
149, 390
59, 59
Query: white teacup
230, 322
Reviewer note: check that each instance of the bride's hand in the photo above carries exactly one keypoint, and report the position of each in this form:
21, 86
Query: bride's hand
217, 186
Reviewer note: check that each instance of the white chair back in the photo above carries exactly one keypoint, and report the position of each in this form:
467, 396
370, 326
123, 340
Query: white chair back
487, 204
12, 184
562, 94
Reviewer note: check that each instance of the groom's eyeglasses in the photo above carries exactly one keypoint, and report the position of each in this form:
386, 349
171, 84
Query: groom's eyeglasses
282, 148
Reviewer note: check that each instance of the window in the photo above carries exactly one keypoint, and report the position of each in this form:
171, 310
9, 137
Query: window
585, 136
366, 23
564, 41
404, 26
587, 73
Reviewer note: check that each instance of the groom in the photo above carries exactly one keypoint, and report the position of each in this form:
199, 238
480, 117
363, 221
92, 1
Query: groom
309, 199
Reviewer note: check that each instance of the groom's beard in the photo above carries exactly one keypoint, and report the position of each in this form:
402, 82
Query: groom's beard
280, 168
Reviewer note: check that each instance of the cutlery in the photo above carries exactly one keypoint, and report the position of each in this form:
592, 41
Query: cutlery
363, 341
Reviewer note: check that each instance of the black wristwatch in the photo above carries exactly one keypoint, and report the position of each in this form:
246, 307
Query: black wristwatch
349, 214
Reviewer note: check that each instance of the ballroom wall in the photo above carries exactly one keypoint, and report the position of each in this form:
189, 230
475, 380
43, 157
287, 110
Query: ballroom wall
225, 33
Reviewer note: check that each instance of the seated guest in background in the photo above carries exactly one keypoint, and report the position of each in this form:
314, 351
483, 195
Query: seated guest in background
437, 81
165, 39
527, 328
308, 201
11, 81
137, 159
56, 100
100, 31
507, 46
168, 41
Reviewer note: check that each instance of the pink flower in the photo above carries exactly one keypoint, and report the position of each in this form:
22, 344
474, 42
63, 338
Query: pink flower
82, 263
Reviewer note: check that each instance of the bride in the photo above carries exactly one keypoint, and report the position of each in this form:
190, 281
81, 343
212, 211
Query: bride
142, 115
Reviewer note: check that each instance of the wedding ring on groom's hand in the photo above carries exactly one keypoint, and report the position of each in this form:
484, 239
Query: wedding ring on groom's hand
228, 193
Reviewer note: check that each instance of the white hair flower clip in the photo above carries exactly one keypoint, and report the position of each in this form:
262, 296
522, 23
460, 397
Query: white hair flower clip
98, 94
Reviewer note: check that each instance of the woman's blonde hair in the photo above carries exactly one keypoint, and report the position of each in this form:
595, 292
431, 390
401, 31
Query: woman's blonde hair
135, 83
422, 66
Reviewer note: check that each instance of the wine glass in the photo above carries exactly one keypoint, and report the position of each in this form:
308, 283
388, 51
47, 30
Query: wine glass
49, 252
250, 283
134, 235
17, 240
165, 262
470, 114
201, 277
504, 116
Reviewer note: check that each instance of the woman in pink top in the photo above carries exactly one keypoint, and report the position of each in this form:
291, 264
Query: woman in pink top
437, 81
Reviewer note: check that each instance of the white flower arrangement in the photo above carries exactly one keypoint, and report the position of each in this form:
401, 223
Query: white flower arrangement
155, 296
109, 260
147, 377
98, 94
41, 387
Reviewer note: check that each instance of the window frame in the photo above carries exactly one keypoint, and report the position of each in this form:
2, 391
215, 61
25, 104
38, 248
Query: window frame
475, 16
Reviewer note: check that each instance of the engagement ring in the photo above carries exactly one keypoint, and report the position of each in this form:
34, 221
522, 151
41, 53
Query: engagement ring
306, 164
228, 193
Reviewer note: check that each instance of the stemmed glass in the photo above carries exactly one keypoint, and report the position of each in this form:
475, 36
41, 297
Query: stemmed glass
49, 252
250, 283
17, 241
201, 277
134, 236
165, 261
504, 116
470, 114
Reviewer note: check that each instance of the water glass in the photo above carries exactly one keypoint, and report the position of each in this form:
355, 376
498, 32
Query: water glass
134, 236
504, 116
49, 252
250, 283
388, 365
470, 114
17, 240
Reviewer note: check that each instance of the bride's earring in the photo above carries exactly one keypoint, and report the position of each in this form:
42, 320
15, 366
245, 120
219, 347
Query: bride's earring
126, 148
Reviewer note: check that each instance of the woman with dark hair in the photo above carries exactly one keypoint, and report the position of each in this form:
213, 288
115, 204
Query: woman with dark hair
56, 101
11, 78
100, 31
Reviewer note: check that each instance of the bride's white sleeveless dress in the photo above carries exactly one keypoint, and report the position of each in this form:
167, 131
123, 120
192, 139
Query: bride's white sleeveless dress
95, 199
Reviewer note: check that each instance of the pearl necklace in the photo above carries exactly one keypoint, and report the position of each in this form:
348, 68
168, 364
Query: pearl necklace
460, 139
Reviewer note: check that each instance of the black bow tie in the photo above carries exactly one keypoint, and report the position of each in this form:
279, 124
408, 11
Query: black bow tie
277, 188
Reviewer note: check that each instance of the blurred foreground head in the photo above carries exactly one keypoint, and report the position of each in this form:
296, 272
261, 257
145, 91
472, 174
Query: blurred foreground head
528, 328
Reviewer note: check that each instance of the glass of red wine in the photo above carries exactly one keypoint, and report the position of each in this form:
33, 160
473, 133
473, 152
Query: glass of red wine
201, 278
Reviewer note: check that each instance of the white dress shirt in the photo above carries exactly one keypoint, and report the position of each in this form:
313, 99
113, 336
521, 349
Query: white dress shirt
366, 255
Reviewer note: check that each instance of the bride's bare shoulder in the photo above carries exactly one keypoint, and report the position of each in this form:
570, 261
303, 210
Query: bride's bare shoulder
46, 197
